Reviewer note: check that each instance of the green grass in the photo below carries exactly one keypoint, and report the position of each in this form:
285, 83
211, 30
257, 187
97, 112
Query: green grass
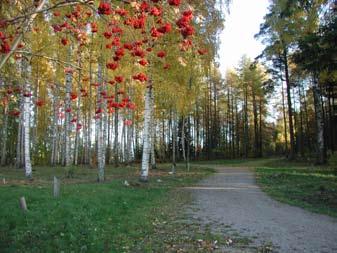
88, 217
311, 188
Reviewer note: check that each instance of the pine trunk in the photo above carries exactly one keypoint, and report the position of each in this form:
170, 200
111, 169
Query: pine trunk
256, 127
320, 148
284, 121
246, 133
290, 108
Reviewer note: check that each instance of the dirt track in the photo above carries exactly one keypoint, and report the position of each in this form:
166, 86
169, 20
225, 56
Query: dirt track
231, 197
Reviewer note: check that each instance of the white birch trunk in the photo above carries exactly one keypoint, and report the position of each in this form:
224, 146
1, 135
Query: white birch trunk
98, 128
77, 135
152, 138
22, 142
26, 120
78, 112
144, 174
130, 147
116, 148
104, 126
89, 148
183, 138
67, 127
26, 125
187, 138
123, 146
129, 144
54, 130
108, 147
19, 157
104, 134
4, 136
174, 141
4, 131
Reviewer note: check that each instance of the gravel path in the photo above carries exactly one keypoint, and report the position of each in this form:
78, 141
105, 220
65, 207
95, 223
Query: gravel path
231, 197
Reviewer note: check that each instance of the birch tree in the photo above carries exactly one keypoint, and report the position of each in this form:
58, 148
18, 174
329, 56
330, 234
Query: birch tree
68, 109
26, 70
99, 126
144, 174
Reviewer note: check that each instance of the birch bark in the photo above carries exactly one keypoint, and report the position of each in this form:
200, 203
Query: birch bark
54, 130
89, 159
104, 126
4, 137
183, 138
152, 136
116, 125
67, 127
26, 118
146, 134
78, 112
174, 141
98, 127
19, 154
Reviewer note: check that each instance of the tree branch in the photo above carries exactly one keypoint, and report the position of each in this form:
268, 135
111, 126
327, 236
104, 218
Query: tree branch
18, 39
51, 59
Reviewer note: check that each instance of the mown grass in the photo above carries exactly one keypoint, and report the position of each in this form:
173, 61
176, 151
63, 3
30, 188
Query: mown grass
301, 184
88, 216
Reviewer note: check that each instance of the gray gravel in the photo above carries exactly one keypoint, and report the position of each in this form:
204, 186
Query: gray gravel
231, 197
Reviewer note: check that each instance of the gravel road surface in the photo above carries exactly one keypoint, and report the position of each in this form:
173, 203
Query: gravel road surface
231, 197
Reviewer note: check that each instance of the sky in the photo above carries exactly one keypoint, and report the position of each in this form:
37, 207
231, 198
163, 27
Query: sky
241, 25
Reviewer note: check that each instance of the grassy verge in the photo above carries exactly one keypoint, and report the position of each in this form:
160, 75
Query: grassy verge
314, 189
108, 217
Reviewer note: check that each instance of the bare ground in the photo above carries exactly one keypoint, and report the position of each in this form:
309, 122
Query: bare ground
232, 198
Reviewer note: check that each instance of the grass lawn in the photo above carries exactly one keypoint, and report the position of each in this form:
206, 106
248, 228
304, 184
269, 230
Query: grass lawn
92, 217
312, 188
